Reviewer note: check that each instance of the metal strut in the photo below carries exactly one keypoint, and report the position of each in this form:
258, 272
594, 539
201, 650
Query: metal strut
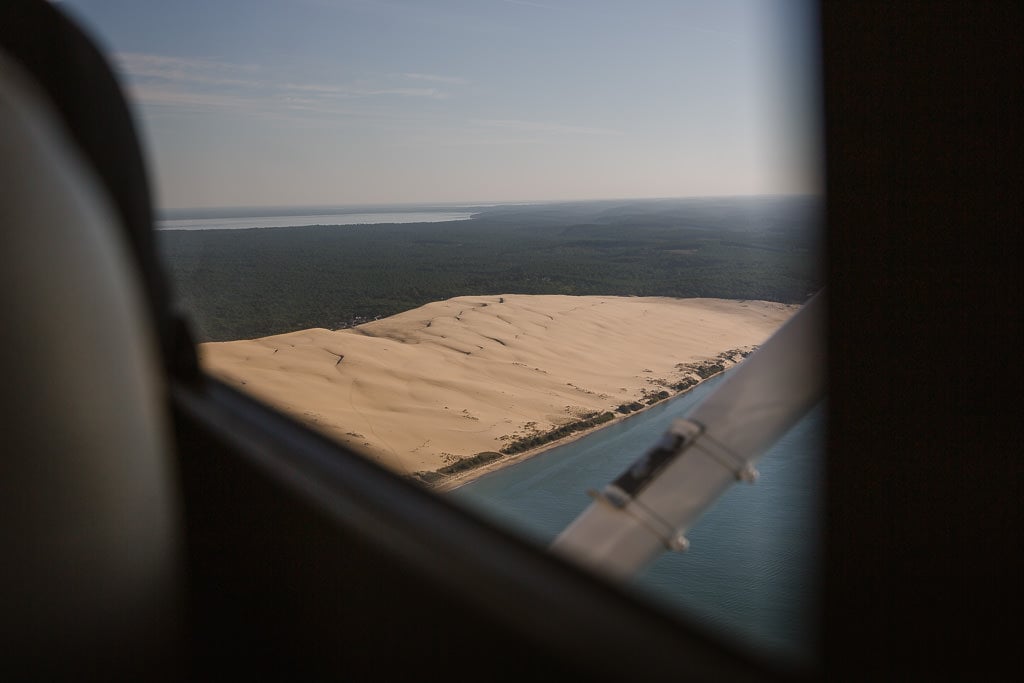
649, 507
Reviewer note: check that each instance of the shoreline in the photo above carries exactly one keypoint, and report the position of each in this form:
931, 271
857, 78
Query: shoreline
460, 479
448, 392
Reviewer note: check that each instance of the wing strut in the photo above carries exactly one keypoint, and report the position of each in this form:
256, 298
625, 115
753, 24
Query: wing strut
651, 505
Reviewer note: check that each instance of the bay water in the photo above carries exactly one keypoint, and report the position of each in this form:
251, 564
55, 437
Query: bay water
751, 572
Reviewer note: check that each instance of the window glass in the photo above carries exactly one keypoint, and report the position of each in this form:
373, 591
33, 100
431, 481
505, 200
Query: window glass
497, 246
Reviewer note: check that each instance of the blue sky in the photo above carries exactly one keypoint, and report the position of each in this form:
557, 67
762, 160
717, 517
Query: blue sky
263, 102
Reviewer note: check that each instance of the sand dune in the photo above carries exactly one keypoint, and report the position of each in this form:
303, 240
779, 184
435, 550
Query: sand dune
422, 389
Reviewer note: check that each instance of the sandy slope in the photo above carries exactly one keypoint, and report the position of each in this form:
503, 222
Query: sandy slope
454, 378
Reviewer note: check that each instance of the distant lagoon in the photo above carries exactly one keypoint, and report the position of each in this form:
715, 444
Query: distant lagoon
223, 222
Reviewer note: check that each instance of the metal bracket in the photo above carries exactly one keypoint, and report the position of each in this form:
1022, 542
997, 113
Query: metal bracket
741, 469
683, 434
615, 497
680, 436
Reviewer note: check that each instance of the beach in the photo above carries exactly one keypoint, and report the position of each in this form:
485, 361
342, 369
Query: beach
430, 389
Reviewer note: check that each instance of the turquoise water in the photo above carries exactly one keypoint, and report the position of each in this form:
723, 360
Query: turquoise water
750, 573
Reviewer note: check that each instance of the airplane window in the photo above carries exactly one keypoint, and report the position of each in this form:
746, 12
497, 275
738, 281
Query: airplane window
497, 247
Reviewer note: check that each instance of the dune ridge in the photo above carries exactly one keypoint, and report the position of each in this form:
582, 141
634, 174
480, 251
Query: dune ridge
425, 389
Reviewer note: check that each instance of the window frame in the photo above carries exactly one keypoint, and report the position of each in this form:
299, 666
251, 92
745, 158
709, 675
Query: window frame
594, 626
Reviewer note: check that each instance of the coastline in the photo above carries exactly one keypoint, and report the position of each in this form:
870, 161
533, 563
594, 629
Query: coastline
456, 389
455, 481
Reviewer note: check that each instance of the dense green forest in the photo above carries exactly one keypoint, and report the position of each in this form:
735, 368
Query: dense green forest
239, 284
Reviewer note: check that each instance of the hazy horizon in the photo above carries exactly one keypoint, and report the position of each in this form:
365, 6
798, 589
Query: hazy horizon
390, 102
465, 203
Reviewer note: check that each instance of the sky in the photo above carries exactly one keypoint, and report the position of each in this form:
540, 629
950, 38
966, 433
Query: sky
335, 102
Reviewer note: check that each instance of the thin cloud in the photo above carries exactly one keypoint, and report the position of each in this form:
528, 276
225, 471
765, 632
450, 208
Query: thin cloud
289, 109
517, 132
543, 127
163, 80
147, 95
353, 91
181, 69
432, 93
316, 88
435, 78
528, 3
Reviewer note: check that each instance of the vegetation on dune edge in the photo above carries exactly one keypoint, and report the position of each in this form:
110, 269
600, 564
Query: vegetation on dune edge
702, 369
528, 443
